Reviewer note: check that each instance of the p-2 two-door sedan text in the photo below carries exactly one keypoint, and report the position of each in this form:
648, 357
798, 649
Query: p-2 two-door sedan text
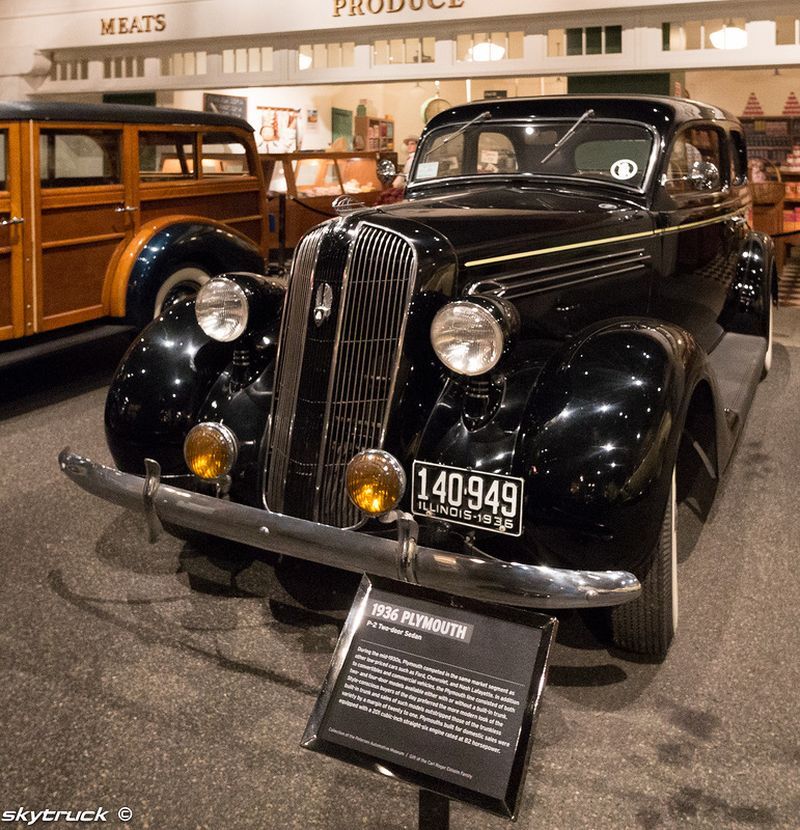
519, 372
110, 212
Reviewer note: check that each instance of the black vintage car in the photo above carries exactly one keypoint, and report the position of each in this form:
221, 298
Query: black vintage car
501, 387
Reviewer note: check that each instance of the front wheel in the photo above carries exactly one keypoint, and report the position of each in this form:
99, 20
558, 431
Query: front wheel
179, 285
647, 624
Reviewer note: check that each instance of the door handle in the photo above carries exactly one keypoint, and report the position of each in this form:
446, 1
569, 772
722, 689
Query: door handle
125, 209
14, 220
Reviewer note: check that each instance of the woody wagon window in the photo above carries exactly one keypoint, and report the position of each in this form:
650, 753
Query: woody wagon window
224, 154
166, 156
79, 158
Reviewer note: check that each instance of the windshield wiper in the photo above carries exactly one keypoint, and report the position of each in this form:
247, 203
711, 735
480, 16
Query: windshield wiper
484, 116
567, 135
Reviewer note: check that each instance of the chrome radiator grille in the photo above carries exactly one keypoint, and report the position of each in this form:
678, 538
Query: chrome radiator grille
334, 383
287, 376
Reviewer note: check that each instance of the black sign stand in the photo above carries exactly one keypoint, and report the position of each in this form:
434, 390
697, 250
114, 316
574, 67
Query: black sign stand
419, 689
434, 811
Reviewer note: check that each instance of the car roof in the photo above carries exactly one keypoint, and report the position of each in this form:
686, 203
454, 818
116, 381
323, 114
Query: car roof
663, 112
116, 113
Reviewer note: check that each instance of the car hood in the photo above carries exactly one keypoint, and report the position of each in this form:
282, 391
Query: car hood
497, 221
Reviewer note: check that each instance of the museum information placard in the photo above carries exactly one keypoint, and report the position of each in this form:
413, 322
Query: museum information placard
440, 691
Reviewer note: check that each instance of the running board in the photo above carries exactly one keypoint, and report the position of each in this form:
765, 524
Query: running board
738, 364
61, 342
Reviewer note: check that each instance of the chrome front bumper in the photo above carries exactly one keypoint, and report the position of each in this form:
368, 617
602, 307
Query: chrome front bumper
484, 578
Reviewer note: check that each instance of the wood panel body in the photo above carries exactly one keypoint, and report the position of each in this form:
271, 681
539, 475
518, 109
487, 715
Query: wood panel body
79, 230
65, 262
237, 201
12, 238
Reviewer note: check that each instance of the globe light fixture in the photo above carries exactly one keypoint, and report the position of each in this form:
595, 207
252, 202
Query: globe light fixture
729, 37
486, 51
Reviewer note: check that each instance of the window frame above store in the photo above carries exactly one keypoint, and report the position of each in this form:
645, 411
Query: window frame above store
100, 23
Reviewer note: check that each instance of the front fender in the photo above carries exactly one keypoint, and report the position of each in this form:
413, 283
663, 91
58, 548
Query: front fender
158, 388
593, 429
599, 440
174, 375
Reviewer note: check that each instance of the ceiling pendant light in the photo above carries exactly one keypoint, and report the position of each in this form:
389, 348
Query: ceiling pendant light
486, 51
729, 37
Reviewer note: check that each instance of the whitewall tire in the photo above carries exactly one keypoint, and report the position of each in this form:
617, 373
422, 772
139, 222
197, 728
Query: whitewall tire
648, 624
768, 355
181, 284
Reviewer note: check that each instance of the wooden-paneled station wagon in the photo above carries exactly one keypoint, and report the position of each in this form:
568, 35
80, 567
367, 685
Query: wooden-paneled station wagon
109, 213
503, 387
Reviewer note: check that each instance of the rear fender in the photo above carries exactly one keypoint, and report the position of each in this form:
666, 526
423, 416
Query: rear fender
161, 248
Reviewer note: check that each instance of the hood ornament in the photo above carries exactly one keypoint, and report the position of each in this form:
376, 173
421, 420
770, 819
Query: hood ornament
346, 204
323, 303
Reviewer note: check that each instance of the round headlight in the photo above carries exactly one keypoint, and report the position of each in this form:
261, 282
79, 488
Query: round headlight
375, 481
467, 338
221, 309
210, 450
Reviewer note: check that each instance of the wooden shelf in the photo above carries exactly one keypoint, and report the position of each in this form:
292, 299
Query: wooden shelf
772, 137
373, 134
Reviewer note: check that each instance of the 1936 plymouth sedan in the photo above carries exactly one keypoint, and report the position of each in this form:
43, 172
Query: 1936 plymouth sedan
500, 387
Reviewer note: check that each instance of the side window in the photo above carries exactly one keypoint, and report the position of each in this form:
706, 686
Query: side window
79, 158
3, 159
692, 147
738, 159
224, 154
496, 154
166, 156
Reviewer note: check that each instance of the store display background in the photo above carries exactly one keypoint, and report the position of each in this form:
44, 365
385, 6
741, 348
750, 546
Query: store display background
177, 682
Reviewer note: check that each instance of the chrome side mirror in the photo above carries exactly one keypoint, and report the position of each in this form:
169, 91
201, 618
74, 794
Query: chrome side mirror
704, 176
386, 171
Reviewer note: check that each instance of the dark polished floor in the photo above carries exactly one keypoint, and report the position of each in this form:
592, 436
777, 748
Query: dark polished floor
176, 680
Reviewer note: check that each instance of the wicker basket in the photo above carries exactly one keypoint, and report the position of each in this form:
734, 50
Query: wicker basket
767, 193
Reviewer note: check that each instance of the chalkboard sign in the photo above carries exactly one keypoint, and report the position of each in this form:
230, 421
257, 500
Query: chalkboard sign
342, 129
436, 690
233, 105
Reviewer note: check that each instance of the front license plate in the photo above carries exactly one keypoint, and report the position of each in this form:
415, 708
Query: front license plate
468, 497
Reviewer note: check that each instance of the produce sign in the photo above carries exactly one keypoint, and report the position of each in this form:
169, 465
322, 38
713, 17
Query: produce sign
435, 690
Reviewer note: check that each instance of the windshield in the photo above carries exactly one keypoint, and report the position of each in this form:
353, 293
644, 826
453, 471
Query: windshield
609, 151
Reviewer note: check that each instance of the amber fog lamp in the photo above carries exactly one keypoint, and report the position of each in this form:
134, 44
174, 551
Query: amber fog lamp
210, 450
222, 309
375, 482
